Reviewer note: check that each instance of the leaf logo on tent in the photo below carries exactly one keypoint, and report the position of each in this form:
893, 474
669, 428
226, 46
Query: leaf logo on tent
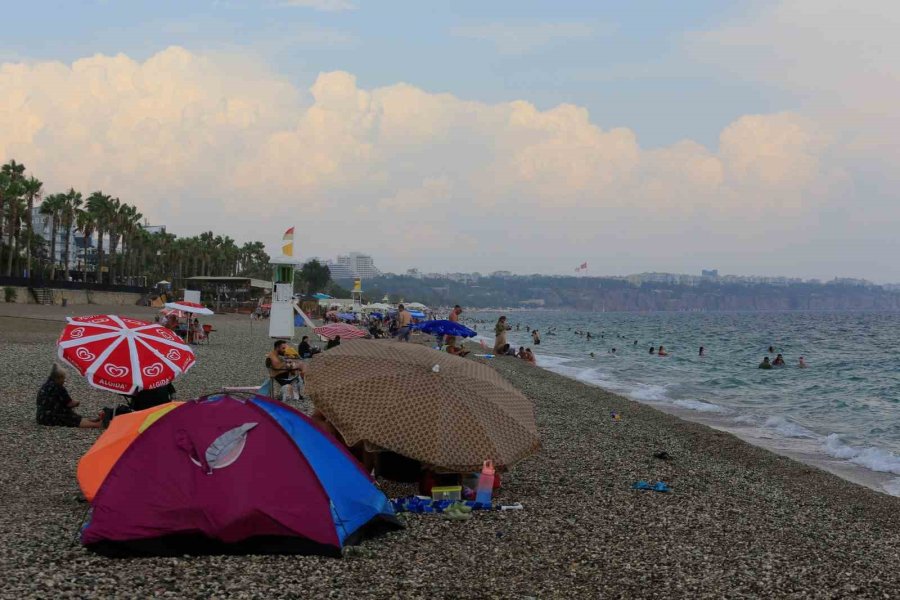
84, 354
115, 370
226, 448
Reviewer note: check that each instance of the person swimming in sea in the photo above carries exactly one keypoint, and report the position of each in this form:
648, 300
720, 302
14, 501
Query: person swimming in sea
588, 336
702, 351
771, 349
652, 350
802, 364
662, 351
765, 364
778, 362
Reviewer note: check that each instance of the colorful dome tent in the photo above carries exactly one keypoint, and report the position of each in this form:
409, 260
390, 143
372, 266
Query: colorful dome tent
230, 475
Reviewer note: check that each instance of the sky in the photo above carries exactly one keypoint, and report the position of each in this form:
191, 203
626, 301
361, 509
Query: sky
752, 137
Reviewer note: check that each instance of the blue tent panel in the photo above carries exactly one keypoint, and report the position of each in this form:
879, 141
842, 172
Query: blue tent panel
298, 321
355, 499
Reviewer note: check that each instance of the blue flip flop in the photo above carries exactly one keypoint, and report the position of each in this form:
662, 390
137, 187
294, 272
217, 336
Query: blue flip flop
642, 485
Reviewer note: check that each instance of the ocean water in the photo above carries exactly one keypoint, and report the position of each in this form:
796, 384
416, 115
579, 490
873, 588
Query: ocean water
842, 412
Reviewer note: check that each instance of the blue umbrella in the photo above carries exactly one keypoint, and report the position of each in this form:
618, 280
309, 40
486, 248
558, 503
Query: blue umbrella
321, 296
347, 316
445, 327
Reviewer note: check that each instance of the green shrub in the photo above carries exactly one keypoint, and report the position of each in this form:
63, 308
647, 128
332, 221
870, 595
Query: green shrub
10, 293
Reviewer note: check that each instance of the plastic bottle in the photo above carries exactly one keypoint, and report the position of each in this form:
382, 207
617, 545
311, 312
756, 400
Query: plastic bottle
485, 483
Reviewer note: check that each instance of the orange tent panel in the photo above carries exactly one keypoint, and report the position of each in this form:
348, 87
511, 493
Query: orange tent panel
97, 462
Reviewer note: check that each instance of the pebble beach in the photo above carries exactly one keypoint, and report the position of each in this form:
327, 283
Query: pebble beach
740, 521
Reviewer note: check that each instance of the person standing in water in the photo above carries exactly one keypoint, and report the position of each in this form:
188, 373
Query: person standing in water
778, 362
765, 364
662, 351
702, 351
500, 330
802, 364
535, 337
652, 350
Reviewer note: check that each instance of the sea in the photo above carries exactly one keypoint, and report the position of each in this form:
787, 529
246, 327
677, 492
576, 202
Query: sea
841, 413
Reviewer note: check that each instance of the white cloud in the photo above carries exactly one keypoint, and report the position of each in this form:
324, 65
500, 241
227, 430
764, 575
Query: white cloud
324, 5
206, 141
523, 38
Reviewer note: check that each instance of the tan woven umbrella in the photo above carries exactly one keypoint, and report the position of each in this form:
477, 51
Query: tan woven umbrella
437, 408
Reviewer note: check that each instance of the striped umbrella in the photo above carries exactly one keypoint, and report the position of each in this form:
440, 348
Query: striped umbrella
347, 332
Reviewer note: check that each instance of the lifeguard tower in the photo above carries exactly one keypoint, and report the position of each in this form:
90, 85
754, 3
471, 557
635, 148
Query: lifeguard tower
356, 294
281, 315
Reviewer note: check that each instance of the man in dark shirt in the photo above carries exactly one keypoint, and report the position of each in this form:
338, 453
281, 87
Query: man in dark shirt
55, 406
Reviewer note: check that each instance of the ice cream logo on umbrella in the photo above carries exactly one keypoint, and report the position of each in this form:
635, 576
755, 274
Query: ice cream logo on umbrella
165, 333
153, 370
173, 355
84, 354
99, 320
133, 322
116, 370
77, 332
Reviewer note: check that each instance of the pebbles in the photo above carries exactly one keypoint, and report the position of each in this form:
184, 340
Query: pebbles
740, 522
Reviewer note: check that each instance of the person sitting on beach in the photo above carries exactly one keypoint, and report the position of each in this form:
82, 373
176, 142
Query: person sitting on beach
333, 343
280, 369
802, 364
765, 364
529, 356
305, 349
55, 406
143, 399
778, 362
652, 350
450, 346
521, 353
662, 351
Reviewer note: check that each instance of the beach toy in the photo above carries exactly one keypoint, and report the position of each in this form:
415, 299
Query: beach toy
457, 512
659, 486
615, 416
449, 492
484, 355
485, 483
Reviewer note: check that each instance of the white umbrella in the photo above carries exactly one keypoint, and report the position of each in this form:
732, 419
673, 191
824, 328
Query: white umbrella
416, 305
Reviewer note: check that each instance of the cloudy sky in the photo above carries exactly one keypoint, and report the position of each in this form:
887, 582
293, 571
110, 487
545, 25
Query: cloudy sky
752, 137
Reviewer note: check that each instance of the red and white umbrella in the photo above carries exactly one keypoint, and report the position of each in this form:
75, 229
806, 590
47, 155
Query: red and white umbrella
171, 311
189, 307
347, 332
123, 355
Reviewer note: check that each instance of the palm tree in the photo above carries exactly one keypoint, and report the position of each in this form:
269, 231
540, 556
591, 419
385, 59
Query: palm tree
32, 189
10, 173
86, 224
16, 206
53, 205
99, 206
70, 212
114, 227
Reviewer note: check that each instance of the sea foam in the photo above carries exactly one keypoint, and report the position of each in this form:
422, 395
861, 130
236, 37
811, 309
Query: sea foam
874, 459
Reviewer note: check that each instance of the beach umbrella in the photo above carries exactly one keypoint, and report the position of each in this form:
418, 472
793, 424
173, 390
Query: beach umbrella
416, 306
444, 327
123, 355
193, 308
171, 311
344, 330
321, 296
430, 406
226, 474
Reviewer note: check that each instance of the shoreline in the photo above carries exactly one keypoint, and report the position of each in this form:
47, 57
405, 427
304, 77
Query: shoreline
740, 520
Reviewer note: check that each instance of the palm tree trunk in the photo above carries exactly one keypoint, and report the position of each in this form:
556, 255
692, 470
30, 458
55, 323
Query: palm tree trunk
68, 227
53, 230
13, 239
99, 255
28, 236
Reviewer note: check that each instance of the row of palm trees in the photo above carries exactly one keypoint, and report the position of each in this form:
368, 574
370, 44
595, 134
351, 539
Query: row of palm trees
125, 250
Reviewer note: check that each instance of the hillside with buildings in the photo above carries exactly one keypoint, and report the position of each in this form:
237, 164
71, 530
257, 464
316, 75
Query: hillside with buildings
643, 292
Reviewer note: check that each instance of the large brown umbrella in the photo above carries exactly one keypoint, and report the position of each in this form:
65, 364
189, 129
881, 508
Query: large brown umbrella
434, 407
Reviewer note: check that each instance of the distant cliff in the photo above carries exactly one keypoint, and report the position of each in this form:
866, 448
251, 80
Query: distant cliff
612, 294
